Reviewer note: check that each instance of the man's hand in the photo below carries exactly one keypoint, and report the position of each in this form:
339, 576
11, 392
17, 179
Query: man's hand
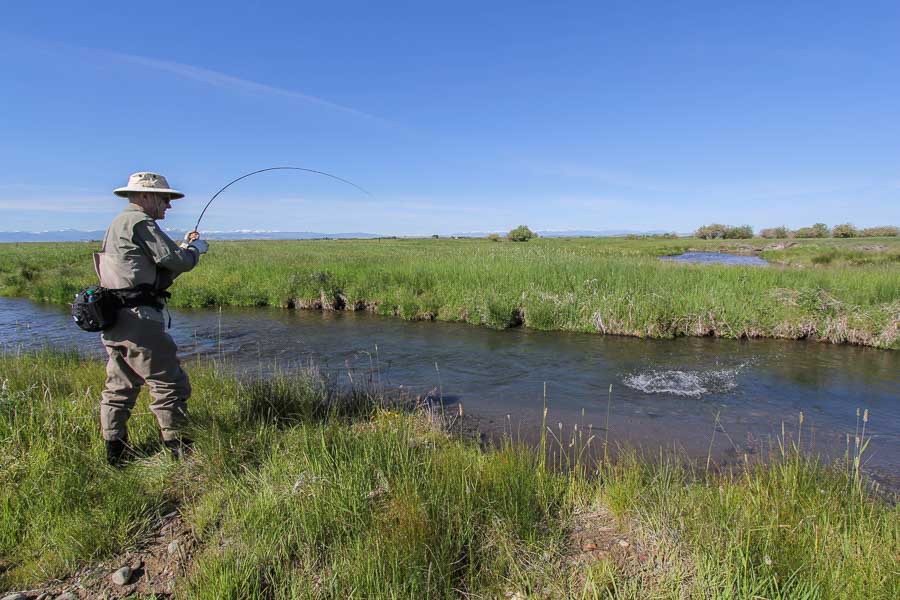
190, 236
199, 245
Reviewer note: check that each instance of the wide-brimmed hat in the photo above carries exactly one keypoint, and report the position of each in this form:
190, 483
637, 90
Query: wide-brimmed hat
153, 183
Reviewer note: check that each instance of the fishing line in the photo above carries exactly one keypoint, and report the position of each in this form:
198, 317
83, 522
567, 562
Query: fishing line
230, 183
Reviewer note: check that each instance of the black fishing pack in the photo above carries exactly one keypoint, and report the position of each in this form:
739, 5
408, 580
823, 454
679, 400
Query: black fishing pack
95, 308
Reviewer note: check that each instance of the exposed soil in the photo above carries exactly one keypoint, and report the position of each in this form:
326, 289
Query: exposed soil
596, 535
634, 552
155, 563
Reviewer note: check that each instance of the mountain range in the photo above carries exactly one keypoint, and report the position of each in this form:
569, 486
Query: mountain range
75, 235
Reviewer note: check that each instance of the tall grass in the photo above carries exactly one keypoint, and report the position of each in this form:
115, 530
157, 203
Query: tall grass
611, 286
299, 490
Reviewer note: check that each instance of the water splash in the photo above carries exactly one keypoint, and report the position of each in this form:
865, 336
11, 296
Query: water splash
684, 383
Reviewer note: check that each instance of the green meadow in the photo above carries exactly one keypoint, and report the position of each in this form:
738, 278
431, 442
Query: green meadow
297, 489
834, 290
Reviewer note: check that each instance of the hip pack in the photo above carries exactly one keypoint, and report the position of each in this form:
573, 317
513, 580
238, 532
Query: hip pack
95, 308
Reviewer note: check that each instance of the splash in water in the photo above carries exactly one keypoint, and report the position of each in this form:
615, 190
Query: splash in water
684, 383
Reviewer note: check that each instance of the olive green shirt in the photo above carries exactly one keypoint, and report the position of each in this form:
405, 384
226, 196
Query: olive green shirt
137, 252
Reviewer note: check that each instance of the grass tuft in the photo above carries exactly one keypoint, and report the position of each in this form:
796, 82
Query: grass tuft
605, 285
296, 491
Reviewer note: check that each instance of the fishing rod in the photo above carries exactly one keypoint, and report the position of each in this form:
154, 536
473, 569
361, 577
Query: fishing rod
245, 176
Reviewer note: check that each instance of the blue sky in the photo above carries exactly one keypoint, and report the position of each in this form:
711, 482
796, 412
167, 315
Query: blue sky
458, 117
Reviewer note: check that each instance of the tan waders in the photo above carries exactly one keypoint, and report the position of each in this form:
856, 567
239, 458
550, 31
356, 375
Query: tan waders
141, 351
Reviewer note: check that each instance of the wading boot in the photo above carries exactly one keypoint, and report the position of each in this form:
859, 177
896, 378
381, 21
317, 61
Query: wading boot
116, 452
179, 448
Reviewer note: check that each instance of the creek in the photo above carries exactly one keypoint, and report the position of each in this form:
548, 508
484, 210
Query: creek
720, 258
665, 393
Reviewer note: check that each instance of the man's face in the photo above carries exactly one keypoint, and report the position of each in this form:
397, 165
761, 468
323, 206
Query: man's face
165, 203
155, 205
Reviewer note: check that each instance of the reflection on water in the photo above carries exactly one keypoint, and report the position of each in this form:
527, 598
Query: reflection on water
721, 258
666, 393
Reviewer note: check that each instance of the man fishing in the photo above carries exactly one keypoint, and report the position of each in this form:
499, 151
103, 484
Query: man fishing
139, 262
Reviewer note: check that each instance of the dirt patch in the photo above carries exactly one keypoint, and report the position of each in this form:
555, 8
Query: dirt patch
596, 535
154, 563
653, 560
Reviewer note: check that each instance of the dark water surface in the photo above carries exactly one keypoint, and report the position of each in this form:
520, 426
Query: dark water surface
717, 258
666, 393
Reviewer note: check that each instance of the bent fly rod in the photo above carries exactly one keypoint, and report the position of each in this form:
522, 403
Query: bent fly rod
245, 176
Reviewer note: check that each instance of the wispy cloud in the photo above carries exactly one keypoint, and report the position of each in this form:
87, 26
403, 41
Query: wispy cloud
209, 77
57, 207
756, 189
40, 187
54, 201
598, 174
237, 84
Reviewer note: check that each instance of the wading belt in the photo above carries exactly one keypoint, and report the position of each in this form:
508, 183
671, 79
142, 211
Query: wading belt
142, 295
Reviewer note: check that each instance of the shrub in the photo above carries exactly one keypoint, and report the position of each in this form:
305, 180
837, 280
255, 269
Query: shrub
711, 232
844, 230
775, 233
742, 232
717, 231
885, 231
819, 230
652, 236
494, 237
521, 234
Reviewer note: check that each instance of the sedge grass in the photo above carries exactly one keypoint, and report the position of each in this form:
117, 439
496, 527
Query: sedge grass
297, 490
604, 285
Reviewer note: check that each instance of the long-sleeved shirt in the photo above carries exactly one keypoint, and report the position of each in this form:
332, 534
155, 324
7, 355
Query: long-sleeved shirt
137, 252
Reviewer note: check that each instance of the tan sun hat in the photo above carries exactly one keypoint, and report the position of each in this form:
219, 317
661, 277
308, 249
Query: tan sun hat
147, 182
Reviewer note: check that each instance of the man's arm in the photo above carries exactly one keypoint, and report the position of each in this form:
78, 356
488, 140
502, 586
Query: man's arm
163, 250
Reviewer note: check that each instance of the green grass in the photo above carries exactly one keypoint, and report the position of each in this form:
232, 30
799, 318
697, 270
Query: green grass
841, 291
297, 490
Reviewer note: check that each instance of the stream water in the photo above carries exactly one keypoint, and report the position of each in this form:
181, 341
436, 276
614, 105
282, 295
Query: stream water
721, 258
665, 393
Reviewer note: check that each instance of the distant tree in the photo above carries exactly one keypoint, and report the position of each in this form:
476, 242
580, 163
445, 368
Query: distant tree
521, 234
713, 231
819, 230
884, 231
742, 232
435, 236
717, 231
494, 237
844, 230
775, 233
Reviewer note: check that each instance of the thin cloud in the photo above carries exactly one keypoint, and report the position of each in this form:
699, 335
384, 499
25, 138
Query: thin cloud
56, 200
601, 175
209, 77
40, 187
223, 80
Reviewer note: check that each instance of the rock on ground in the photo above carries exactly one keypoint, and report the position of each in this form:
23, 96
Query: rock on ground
122, 576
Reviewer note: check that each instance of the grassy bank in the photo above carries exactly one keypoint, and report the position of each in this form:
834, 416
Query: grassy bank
841, 291
298, 490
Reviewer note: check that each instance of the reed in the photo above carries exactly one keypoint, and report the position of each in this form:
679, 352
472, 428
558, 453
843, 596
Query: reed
840, 291
300, 489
